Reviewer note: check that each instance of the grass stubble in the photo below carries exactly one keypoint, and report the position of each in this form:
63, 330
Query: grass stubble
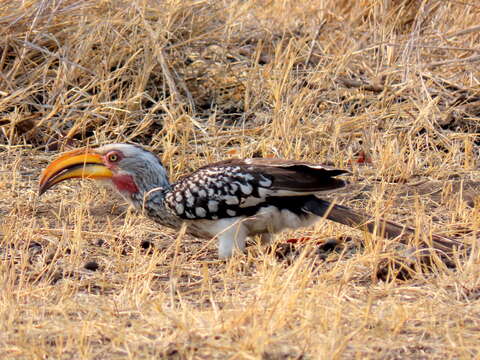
84, 277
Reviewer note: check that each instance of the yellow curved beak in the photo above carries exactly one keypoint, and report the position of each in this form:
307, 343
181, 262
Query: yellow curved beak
83, 163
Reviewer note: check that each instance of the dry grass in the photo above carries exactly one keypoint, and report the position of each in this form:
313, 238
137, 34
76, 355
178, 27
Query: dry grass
202, 80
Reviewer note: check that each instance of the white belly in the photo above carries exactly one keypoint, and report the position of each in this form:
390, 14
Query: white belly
232, 232
272, 220
268, 220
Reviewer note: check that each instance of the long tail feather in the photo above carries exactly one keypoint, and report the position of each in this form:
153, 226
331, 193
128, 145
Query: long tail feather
388, 229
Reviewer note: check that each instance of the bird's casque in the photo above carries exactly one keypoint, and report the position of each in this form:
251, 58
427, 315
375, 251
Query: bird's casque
230, 200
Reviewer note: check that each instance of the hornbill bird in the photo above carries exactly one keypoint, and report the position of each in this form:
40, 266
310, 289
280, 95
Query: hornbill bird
230, 200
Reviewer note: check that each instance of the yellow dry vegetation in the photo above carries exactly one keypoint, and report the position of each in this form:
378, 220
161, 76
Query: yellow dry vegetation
389, 90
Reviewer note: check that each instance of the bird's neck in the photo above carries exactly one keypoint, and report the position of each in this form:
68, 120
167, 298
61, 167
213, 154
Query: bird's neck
150, 192
146, 190
151, 202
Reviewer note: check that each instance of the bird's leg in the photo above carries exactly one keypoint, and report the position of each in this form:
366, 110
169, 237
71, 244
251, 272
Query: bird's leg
266, 238
232, 239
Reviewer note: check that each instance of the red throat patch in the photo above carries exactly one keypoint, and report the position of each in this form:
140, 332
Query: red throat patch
125, 183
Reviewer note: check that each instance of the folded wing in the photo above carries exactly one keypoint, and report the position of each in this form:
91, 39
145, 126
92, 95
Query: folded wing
240, 187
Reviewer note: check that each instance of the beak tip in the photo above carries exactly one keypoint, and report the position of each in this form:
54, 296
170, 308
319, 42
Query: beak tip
76, 164
42, 186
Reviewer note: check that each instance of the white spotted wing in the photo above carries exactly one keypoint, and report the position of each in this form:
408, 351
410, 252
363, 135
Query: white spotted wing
240, 187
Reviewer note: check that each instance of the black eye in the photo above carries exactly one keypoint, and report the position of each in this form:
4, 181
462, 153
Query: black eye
113, 157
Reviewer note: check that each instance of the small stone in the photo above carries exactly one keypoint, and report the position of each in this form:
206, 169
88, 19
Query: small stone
329, 245
56, 277
145, 244
91, 265
35, 246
